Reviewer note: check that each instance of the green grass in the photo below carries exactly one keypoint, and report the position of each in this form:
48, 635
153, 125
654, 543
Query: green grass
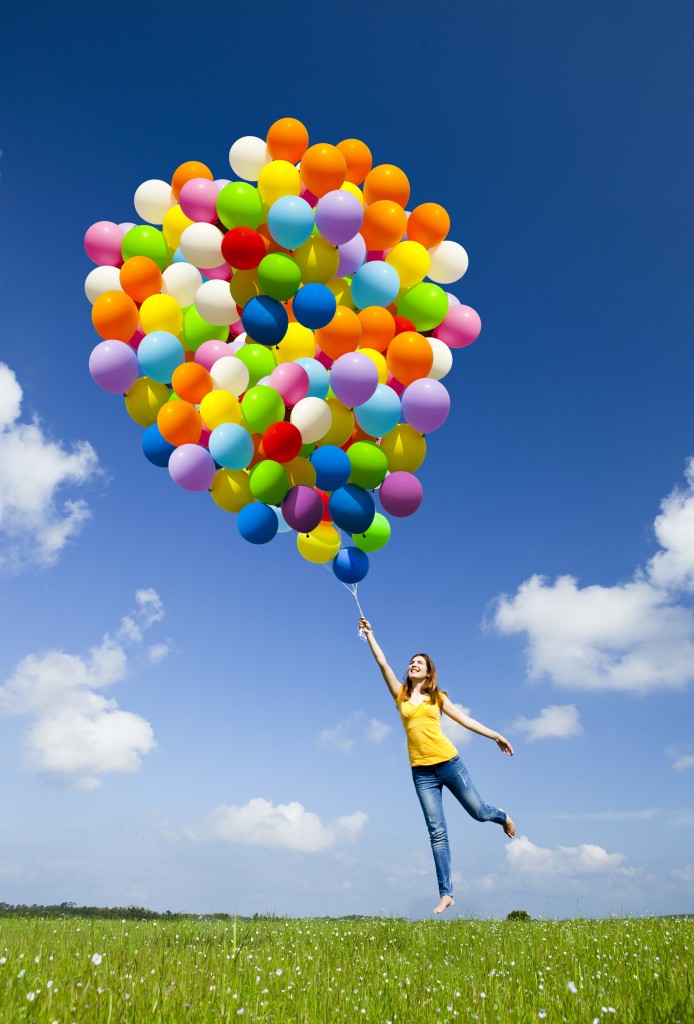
321, 970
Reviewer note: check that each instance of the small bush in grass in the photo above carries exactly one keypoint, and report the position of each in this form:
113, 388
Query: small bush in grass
518, 915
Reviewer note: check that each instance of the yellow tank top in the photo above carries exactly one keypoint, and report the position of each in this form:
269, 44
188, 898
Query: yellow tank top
426, 743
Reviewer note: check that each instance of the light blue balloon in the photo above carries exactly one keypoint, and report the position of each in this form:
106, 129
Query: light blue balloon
290, 221
375, 284
380, 413
158, 354
231, 446
178, 256
318, 377
282, 524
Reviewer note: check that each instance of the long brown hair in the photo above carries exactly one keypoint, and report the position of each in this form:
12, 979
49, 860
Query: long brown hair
428, 688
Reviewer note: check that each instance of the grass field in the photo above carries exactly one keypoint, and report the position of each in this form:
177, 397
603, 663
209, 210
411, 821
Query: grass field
321, 970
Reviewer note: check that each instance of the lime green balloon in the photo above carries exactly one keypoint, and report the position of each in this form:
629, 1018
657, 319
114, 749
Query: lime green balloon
196, 330
376, 537
144, 240
279, 276
262, 406
425, 305
259, 361
369, 464
239, 205
269, 482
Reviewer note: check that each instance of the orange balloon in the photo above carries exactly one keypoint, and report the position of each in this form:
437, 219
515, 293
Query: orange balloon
179, 423
270, 244
140, 277
428, 224
185, 172
377, 328
287, 140
358, 157
384, 224
409, 357
341, 335
115, 316
323, 168
387, 182
191, 382
258, 453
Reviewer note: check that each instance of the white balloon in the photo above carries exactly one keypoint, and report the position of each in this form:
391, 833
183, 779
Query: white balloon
152, 200
181, 281
312, 417
449, 262
100, 280
214, 302
201, 245
248, 156
443, 359
230, 374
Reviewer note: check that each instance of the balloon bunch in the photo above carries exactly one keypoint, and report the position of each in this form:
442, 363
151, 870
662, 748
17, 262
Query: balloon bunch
278, 339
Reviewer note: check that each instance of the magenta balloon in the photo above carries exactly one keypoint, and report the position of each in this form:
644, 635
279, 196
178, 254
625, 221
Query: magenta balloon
401, 493
460, 326
324, 360
425, 404
198, 200
192, 467
339, 216
309, 197
221, 273
352, 255
302, 508
353, 378
291, 382
103, 242
114, 366
397, 387
209, 352
137, 337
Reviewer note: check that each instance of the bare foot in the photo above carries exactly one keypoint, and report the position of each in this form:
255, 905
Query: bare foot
443, 904
509, 827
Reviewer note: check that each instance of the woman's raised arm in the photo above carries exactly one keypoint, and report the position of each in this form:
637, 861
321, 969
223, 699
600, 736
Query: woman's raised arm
392, 681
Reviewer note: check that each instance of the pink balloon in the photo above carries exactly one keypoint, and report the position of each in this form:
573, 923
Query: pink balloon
222, 273
290, 381
376, 255
198, 200
397, 387
236, 328
324, 360
309, 197
137, 337
401, 493
103, 242
460, 326
209, 352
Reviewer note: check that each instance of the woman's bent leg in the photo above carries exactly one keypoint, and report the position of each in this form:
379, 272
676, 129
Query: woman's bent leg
428, 788
454, 775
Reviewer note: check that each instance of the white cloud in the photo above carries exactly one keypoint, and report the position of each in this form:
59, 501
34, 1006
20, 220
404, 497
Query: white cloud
633, 637
685, 874
537, 862
682, 757
376, 731
35, 524
554, 722
77, 734
457, 734
157, 653
345, 735
284, 826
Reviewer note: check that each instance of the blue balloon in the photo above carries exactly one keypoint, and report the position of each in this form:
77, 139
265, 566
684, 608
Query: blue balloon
332, 466
158, 354
350, 565
265, 320
318, 377
257, 523
178, 257
290, 221
380, 413
156, 448
231, 446
352, 508
375, 284
314, 305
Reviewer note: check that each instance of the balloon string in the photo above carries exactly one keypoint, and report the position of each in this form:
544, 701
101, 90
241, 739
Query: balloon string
352, 588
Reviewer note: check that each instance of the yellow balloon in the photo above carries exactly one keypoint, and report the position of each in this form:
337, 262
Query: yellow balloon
348, 186
404, 448
244, 286
301, 471
175, 223
342, 291
144, 400
219, 407
161, 313
298, 343
317, 260
276, 179
411, 261
231, 489
320, 545
342, 424
379, 361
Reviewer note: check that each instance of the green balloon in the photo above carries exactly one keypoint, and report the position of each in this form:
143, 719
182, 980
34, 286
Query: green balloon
424, 304
369, 464
144, 240
196, 330
376, 537
261, 406
269, 482
279, 276
307, 450
239, 205
259, 361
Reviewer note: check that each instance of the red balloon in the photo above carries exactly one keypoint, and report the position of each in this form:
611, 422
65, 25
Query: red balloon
282, 441
325, 498
403, 324
243, 248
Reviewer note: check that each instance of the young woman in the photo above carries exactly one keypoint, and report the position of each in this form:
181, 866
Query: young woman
434, 760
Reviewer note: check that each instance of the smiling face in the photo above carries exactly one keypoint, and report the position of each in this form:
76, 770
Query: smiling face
418, 669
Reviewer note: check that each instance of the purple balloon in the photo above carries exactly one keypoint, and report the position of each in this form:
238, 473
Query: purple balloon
353, 378
302, 508
401, 493
209, 352
192, 467
339, 216
425, 404
114, 366
352, 255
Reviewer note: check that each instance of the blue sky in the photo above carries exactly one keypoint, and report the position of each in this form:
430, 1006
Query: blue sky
237, 748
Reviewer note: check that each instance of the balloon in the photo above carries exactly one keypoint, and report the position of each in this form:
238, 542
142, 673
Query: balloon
230, 489
352, 254
369, 464
352, 508
243, 248
100, 280
175, 223
404, 447
411, 261
357, 158
323, 168
377, 327
425, 405
248, 156
375, 284
351, 565
143, 240
402, 324
185, 172
156, 449
115, 316
239, 205
301, 471
140, 277
341, 335
201, 244
290, 221
144, 400
153, 199
230, 374
353, 378
276, 179
191, 382
287, 139
376, 537
298, 343
261, 406
318, 379
258, 359
282, 442
379, 361
409, 356
380, 413
231, 446
114, 366
214, 302
424, 304
198, 200
302, 508
449, 261
339, 216
342, 422
179, 423
219, 407
443, 359
385, 222
461, 326
103, 243
401, 494
265, 320
269, 482
291, 381
313, 417
386, 182
279, 276
314, 306
320, 545
181, 281
428, 224
161, 313
332, 466
317, 259
257, 523
244, 286
192, 467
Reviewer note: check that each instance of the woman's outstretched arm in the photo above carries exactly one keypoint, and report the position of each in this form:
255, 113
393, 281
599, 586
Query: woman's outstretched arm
469, 723
392, 681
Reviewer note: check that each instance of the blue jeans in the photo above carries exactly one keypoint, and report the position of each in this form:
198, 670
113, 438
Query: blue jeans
429, 781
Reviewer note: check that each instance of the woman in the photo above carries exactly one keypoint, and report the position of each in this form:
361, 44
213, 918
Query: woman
434, 760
